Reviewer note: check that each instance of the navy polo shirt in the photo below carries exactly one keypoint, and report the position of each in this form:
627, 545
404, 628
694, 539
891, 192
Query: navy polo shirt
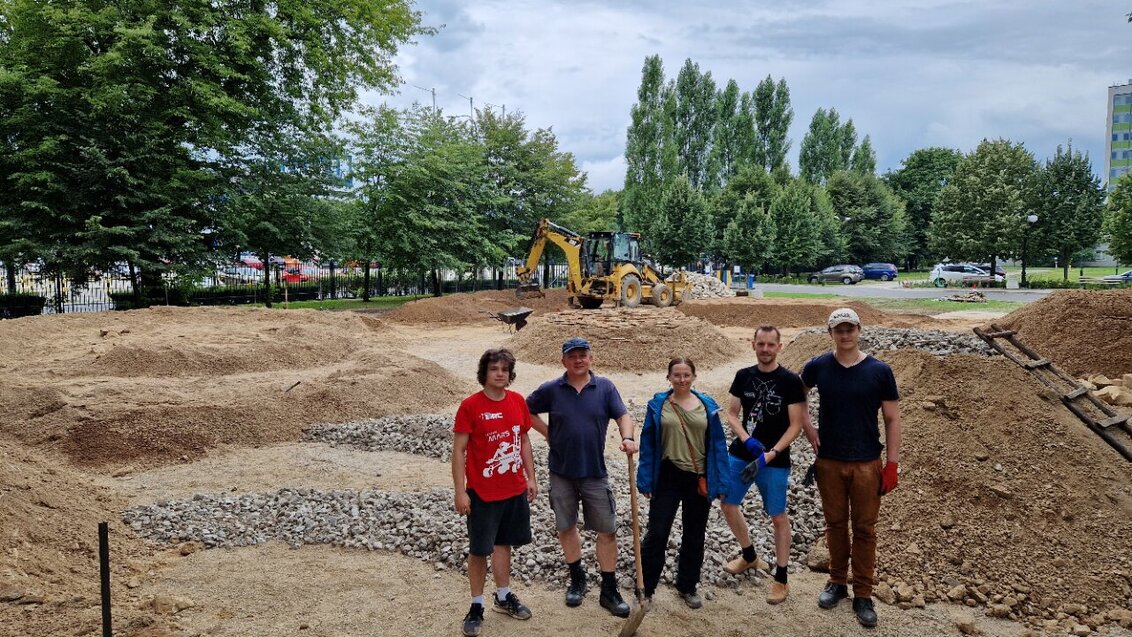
578, 423
850, 399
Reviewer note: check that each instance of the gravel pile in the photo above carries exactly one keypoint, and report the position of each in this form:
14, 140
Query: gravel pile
938, 342
706, 287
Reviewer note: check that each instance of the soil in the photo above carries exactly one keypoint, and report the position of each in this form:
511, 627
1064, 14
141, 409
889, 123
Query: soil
474, 307
87, 430
752, 312
1084, 331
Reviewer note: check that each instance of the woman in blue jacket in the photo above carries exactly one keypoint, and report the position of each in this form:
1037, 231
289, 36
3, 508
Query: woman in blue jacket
682, 440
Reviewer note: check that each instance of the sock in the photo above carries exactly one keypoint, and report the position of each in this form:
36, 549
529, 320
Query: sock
501, 594
749, 554
576, 571
478, 599
780, 574
608, 581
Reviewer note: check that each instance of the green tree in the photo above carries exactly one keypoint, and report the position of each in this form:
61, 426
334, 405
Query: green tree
593, 212
751, 180
728, 137
922, 175
980, 214
750, 237
873, 222
799, 229
827, 147
1118, 220
683, 232
864, 159
694, 121
646, 148
1069, 203
772, 115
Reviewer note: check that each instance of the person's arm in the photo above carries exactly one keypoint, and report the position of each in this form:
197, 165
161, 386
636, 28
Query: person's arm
893, 429
538, 425
462, 502
808, 423
529, 467
536, 404
628, 429
734, 411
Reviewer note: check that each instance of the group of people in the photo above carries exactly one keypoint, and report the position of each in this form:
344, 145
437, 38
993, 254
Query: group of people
685, 464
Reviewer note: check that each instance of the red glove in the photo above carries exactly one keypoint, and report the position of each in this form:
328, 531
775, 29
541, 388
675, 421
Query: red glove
888, 477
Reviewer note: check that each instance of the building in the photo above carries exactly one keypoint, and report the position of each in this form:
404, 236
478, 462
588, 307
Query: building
1118, 159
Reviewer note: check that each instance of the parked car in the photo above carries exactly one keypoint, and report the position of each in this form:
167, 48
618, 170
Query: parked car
300, 273
238, 273
847, 274
1123, 277
882, 271
944, 273
250, 260
998, 269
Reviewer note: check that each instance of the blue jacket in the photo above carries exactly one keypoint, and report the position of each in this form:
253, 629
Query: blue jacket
652, 451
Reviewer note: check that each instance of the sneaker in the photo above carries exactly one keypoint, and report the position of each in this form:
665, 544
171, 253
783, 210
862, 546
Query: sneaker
693, 599
740, 565
473, 621
612, 602
511, 606
832, 594
576, 591
866, 614
777, 592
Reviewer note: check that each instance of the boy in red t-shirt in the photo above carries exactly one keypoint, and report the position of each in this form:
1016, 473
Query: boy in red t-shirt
493, 473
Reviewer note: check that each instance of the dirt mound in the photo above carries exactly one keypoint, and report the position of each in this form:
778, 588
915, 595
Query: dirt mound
471, 307
1000, 485
149, 387
782, 313
642, 339
1083, 331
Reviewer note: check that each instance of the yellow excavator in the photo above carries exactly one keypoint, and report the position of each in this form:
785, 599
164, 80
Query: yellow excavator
602, 266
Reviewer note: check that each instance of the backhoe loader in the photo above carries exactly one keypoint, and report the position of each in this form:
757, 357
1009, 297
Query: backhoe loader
602, 266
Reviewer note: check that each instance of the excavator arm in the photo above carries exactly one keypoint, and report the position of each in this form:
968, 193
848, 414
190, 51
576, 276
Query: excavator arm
571, 244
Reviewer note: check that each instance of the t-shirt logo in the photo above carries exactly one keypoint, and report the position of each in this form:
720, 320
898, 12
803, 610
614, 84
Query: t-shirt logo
490, 416
507, 456
766, 403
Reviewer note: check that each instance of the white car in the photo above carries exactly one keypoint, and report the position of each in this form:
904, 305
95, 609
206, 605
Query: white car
946, 273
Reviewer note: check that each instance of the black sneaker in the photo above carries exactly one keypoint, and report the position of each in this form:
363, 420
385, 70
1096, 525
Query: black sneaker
832, 594
612, 602
866, 614
473, 621
511, 606
576, 591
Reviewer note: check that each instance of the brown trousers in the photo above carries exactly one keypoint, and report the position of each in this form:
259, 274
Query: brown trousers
850, 492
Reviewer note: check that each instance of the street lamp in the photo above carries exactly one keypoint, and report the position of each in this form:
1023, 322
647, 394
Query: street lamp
1031, 219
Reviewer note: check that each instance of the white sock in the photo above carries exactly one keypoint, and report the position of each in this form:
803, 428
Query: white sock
501, 594
478, 599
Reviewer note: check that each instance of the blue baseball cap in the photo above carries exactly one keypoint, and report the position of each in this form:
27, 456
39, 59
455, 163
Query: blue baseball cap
575, 343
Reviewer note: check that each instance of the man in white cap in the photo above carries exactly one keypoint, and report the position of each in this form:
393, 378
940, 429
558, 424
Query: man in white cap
852, 388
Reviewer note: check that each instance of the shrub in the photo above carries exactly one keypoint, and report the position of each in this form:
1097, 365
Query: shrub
17, 305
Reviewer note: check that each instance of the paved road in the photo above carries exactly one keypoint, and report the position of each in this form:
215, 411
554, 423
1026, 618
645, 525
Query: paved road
893, 290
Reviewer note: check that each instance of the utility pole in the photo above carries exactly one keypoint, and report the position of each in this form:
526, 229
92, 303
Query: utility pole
471, 109
428, 90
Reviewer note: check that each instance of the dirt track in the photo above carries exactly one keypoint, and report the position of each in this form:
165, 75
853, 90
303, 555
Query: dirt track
98, 412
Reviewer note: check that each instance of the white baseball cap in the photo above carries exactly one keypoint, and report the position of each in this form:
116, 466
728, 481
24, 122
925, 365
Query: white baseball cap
844, 315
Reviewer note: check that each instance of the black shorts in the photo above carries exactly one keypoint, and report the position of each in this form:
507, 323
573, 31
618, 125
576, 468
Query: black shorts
501, 523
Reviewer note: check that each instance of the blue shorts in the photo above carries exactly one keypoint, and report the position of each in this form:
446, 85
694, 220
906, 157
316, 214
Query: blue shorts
773, 482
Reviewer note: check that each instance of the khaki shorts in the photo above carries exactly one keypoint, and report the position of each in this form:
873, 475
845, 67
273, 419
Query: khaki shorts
595, 496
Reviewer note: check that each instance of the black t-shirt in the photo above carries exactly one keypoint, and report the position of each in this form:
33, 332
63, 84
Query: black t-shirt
850, 398
765, 398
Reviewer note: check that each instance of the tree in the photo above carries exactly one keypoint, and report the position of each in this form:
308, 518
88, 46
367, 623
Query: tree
694, 122
799, 229
683, 232
593, 212
922, 175
772, 118
827, 147
646, 150
980, 214
864, 159
1118, 221
751, 180
1069, 203
729, 136
750, 236
872, 217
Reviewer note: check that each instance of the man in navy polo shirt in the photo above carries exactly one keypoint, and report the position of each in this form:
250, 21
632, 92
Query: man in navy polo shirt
580, 406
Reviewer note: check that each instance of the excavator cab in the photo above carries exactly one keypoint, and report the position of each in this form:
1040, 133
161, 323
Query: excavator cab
603, 251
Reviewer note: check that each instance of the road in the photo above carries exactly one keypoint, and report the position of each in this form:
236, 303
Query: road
892, 290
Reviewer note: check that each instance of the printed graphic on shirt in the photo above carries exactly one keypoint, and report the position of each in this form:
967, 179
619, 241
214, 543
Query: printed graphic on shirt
766, 403
508, 455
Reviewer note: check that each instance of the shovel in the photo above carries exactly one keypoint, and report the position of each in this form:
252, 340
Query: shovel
629, 628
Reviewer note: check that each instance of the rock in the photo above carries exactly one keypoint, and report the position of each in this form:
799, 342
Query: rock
818, 557
1126, 380
1081, 630
957, 593
998, 610
1114, 395
9, 592
1100, 380
905, 592
1076, 610
31, 598
166, 604
913, 549
132, 583
918, 601
966, 625
884, 593
188, 548
947, 522
982, 456
1122, 616
1000, 490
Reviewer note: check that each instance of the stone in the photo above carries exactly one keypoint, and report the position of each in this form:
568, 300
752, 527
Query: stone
982, 456
957, 593
1081, 630
947, 522
998, 610
166, 604
1122, 616
1100, 380
905, 593
966, 625
1076, 610
10, 593
818, 557
188, 548
1126, 380
884, 593
918, 601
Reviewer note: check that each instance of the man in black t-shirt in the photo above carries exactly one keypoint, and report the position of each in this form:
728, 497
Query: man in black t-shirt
773, 405
852, 387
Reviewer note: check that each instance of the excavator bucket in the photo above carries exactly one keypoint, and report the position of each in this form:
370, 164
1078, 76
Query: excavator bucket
529, 291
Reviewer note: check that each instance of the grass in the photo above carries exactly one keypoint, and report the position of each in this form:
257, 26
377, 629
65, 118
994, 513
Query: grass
375, 302
933, 306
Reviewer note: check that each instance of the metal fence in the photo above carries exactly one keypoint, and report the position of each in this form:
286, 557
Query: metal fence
242, 284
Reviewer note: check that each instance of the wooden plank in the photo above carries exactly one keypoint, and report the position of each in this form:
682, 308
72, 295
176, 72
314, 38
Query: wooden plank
1041, 362
1001, 333
1115, 420
1076, 393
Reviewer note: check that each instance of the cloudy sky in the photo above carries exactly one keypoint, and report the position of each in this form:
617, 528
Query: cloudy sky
911, 73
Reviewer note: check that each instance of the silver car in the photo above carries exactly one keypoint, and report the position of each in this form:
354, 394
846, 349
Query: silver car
846, 274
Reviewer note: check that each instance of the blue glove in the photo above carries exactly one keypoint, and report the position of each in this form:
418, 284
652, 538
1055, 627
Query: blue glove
754, 446
753, 467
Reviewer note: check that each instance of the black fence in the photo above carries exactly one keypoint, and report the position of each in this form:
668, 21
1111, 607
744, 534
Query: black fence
36, 292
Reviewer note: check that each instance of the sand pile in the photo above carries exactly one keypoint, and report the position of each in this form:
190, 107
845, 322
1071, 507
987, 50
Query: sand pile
783, 313
471, 307
1082, 331
641, 339
1000, 487
153, 386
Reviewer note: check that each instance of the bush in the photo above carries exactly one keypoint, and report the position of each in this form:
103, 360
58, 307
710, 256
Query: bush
150, 296
17, 305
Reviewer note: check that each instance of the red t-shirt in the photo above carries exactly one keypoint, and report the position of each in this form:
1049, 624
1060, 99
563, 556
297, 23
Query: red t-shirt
494, 466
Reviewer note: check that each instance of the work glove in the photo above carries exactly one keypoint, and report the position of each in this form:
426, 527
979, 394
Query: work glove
754, 446
811, 474
889, 477
753, 467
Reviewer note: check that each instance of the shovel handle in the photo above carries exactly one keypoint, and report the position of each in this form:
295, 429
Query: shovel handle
636, 531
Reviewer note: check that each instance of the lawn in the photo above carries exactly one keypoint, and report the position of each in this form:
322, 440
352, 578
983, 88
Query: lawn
924, 306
